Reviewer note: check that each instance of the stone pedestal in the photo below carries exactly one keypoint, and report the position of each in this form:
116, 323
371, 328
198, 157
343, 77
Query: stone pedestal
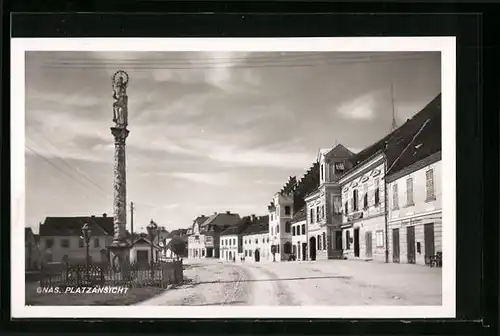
120, 258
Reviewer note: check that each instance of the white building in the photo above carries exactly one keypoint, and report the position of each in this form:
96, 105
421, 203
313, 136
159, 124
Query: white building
230, 245
299, 235
324, 205
256, 243
414, 184
280, 227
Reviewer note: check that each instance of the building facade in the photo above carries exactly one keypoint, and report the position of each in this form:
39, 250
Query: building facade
324, 205
363, 220
299, 235
205, 237
280, 226
415, 212
61, 239
230, 246
256, 241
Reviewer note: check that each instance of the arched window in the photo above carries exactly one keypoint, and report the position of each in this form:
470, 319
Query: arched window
287, 247
288, 227
324, 241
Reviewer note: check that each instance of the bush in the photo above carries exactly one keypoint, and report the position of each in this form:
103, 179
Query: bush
178, 246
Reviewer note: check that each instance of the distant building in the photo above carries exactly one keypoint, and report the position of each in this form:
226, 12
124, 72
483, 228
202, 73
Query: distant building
61, 238
230, 241
255, 239
204, 239
414, 187
32, 256
299, 235
324, 205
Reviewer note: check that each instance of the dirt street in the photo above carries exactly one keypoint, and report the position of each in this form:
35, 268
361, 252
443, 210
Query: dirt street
329, 282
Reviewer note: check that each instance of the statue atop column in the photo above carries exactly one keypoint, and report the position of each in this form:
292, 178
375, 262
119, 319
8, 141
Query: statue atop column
120, 111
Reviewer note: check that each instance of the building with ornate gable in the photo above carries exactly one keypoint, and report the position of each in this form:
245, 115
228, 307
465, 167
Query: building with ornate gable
323, 205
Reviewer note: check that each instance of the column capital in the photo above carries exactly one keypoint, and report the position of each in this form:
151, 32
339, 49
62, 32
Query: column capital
120, 133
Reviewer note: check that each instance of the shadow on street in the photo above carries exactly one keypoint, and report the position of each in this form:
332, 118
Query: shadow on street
192, 283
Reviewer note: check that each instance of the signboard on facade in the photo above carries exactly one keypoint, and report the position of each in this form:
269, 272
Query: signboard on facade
209, 241
355, 216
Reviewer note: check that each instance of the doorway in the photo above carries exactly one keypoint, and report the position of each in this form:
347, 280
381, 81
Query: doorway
304, 251
338, 240
395, 245
257, 255
368, 241
356, 243
312, 248
429, 242
142, 258
410, 242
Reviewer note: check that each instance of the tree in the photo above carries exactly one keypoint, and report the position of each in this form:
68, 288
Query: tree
178, 246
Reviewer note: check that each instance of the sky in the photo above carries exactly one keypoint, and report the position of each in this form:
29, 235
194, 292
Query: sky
209, 131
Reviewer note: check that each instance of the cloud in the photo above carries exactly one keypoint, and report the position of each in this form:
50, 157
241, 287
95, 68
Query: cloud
360, 108
206, 178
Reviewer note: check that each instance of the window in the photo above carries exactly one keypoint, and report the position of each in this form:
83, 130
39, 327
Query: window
322, 171
355, 200
250, 253
379, 236
377, 192
288, 210
287, 248
256, 241
272, 231
346, 208
429, 184
277, 228
365, 196
268, 239
395, 203
288, 227
312, 215
347, 240
65, 243
318, 240
246, 253
96, 242
80, 242
324, 241
323, 211
317, 214
293, 230
49, 243
409, 191
337, 205
303, 229
234, 241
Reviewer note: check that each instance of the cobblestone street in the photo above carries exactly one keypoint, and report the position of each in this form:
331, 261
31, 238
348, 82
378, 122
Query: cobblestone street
329, 282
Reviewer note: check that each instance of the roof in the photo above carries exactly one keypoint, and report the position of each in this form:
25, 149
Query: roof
221, 219
340, 151
300, 215
425, 142
139, 239
426, 124
200, 219
72, 226
178, 232
307, 184
260, 225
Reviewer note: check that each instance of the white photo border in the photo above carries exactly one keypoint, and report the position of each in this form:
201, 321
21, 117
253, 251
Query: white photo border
446, 45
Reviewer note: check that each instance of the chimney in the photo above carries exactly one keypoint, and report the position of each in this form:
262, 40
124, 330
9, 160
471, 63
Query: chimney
93, 216
215, 212
253, 217
228, 212
104, 215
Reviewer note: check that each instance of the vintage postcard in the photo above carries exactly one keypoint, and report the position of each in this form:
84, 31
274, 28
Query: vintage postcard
235, 177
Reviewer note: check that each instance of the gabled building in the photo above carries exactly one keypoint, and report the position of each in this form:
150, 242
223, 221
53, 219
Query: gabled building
364, 202
324, 205
414, 186
256, 240
281, 211
61, 238
204, 240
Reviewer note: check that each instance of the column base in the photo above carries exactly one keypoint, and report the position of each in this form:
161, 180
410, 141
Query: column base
120, 258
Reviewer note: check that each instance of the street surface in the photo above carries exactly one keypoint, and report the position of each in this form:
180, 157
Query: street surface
328, 282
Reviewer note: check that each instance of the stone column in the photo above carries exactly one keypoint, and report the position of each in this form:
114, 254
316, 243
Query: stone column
120, 184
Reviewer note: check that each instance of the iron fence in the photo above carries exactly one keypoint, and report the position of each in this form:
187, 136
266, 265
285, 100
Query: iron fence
159, 274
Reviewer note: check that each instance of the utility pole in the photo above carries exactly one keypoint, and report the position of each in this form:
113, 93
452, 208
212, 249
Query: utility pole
132, 217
